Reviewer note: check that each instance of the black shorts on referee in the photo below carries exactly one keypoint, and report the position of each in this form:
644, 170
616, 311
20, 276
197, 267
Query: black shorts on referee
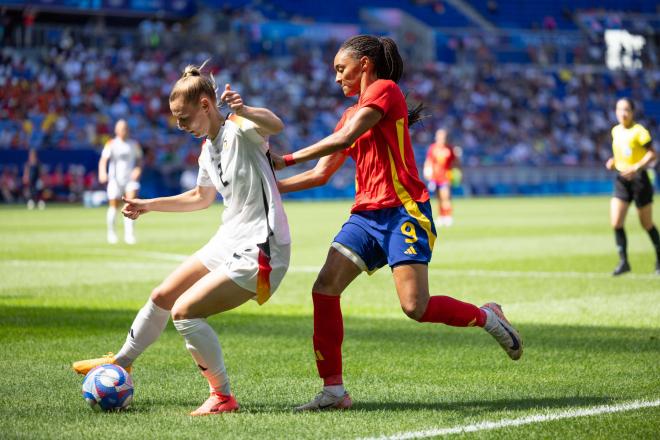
639, 189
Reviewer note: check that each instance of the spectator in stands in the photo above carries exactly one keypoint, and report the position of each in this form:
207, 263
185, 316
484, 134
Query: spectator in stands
8, 187
499, 114
32, 182
29, 17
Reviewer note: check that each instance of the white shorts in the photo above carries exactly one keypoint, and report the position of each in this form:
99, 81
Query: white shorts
248, 265
116, 190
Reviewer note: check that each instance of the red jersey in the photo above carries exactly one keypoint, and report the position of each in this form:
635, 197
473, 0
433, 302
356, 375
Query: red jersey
439, 161
386, 173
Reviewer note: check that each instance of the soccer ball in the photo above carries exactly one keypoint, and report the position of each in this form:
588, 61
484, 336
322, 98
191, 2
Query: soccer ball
108, 387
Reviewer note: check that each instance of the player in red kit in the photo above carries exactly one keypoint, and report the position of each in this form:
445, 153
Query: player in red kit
439, 167
391, 220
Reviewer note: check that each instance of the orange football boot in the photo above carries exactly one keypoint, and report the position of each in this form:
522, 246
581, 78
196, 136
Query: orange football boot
83, 367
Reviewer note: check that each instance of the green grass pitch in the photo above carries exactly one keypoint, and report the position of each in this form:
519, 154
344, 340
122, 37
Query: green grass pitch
591, 339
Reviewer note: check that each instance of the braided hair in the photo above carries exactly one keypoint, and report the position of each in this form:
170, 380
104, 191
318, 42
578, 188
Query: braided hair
384, 54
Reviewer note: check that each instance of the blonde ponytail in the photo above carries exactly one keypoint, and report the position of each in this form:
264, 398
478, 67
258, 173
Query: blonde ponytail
193, 84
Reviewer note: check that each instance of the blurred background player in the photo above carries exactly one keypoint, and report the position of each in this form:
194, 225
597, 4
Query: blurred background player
632, 154
248, 256
391, 219
120, 166
32, 182
441, 168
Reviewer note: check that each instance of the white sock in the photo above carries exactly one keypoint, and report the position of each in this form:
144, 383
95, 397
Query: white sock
110, 218
335, 390
128, 227
203, 345
146, 328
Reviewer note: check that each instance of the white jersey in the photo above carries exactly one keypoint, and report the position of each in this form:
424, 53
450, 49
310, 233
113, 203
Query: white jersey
123, 156
238, 166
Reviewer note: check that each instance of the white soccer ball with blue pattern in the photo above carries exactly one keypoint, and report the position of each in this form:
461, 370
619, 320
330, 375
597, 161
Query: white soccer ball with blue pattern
108, 388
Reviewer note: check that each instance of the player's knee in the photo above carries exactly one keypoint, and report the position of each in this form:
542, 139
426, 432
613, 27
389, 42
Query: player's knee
324, 283
646, 223
180, 311
162, 297
413, 310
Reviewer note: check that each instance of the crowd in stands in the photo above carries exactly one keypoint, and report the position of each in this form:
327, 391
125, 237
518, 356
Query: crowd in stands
68, 96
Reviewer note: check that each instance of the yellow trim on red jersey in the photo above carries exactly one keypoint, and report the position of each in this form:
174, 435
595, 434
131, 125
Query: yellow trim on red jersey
399, 134
409, 204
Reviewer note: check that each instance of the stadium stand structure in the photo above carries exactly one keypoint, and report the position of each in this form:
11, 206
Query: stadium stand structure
529, 99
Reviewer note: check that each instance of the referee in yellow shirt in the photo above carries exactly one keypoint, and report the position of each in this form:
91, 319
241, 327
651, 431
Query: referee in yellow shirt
633, 153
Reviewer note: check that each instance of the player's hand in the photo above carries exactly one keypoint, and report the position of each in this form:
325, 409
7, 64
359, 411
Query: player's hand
103, 178
428, 171
233, 100
278, 161
629, 172
610, 164
133, 208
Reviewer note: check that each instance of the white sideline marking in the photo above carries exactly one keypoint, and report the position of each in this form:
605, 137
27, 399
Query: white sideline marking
537, 418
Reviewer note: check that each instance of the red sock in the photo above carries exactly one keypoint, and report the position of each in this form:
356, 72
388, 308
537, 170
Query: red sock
453, 312
328, 336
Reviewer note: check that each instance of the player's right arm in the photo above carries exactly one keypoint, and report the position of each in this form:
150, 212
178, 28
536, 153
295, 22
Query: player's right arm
364, 119
610, 164
317, 176
267, 123
26, 174
136, 173
427, 170
103, 164
200, 197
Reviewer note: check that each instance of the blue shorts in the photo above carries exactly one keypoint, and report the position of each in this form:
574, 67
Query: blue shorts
393, 236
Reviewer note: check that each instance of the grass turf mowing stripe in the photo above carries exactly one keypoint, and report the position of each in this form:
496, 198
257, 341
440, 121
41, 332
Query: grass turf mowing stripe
457, 272
537, 418
470, 272
538, 274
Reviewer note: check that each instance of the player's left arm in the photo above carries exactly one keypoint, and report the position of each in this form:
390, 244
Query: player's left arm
267, 123
363, 120
317, 176
456, 167
649, 157
26, 174
137, 169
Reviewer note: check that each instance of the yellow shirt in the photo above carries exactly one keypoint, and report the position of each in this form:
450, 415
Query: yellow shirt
628, 145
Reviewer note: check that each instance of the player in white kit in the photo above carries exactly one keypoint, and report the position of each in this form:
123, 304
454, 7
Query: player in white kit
248, 256
124, 156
